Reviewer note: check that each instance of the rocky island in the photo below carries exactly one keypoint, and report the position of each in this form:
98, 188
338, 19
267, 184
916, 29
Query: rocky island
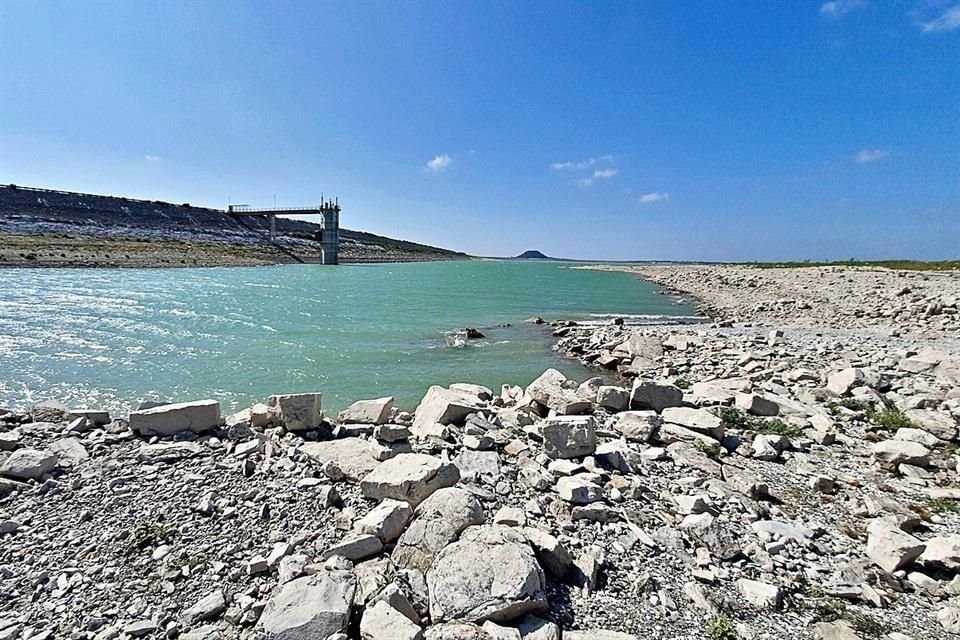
788, 470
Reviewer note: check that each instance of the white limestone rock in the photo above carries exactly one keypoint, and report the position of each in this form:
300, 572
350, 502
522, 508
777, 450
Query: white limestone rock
168, 419
386, 521
438, 521
568, 436
297, 411
551, 389
376, 411
442, 406
410, 477
315, 606
651, 395
699, 420
890, 548
383, 622
28, 464
490, 573
637, 426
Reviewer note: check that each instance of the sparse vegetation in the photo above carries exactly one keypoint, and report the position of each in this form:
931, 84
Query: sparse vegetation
736, 419
712, 451
682, 383
891, 419
145, 535
720, 627
943, 505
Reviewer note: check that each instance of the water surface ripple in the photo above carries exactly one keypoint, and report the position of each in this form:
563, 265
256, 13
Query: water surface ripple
113, 337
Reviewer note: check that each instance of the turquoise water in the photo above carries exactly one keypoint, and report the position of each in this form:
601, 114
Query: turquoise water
109, 338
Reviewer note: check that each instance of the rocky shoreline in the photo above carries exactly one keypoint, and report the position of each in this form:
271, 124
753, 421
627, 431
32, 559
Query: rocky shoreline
780, 472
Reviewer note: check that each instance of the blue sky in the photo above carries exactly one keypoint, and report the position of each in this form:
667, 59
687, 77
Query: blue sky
712, 130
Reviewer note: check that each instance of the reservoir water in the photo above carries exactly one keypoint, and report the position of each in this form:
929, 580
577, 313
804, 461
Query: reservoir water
110, 338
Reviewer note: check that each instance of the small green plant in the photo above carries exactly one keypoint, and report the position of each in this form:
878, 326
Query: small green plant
943, 505
147, 535
712, 451
383, 580
891, 419
735, 419
865, 624
720, 627
732, 418
682, 383
774, 427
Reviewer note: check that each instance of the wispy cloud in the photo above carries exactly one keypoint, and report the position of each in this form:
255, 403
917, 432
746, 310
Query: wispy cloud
599, 174
439, 163
947, 21
866, 156
583, 164
840, 8
150, 158
649, 198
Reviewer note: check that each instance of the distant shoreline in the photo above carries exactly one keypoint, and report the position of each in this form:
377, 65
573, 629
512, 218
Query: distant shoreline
83, 252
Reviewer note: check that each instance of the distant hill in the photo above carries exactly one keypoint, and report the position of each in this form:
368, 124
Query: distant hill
533, 255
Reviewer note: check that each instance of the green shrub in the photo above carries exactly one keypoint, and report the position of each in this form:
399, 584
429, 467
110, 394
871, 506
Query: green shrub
732, 418
720, 627
891, 419
735, 419
682, 383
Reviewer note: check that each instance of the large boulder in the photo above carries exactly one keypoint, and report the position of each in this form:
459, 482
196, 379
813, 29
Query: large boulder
568, 436
892, 453
168, 419
28, 464
756, 405
410, 477
891, 548
438, 521
939, 423
841, 382
315, 606
943, 552
383, 622
652, 395
442, 406
489, 574
298, 411
579, 490
552, 390
637, 426
613, 398
386, 521
648, 347
352, 456
699, 420
375, 411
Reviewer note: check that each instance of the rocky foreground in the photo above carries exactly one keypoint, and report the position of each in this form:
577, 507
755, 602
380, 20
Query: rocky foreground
736, 482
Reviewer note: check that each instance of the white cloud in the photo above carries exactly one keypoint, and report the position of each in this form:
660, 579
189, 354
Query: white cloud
866, 156
439, 163
150, 158
647, 198
599, 174
839, 8
583, 164
949, 21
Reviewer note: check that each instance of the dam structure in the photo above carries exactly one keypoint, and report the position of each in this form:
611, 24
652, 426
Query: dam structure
328, 235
